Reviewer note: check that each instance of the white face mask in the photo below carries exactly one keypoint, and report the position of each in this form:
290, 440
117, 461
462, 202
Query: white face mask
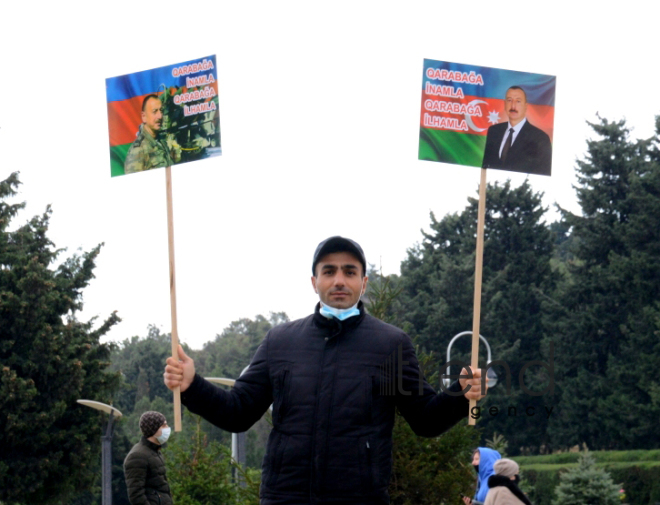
165, 434
340, 314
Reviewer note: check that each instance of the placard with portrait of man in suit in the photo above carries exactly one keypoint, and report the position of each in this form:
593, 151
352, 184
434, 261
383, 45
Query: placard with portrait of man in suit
517, 144
487, 117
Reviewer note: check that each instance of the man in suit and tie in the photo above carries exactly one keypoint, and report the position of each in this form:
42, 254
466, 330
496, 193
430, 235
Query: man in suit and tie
517, 145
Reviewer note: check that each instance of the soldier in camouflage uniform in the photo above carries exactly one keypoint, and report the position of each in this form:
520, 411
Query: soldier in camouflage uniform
149, 150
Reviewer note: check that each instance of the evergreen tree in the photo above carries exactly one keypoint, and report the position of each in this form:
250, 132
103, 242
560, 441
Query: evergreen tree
609, 317
141, 362
586, 485
203, 475
232, 350
518, 282
48, 360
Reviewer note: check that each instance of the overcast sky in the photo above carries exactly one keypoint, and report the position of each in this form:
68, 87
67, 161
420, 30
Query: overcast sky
319, 113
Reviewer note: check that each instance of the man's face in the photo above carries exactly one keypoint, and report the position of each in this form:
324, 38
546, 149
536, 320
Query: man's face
515, 106
152, 115
339, 280
476, 457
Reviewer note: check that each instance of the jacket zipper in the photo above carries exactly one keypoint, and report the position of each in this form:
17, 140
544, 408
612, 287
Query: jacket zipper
316, 409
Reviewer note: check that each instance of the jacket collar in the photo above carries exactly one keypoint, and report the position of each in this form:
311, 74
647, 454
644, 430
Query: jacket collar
151, 445
500, 481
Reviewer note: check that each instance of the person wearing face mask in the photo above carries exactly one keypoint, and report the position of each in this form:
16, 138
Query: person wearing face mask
334, 380
503, 485
483, 460
144, 466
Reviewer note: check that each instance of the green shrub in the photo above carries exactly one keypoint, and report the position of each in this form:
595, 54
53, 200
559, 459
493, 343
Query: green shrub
202, 474
641, 484
599, 456
637, 471
586, 484
539, 485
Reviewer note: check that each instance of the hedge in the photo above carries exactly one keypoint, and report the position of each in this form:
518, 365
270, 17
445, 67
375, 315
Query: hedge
638, 472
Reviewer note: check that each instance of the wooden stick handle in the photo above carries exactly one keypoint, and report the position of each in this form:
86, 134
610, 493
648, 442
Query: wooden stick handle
478, 269
175, 333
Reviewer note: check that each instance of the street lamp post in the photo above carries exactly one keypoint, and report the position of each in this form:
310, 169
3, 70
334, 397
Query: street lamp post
491, 376
237, 439
106, 448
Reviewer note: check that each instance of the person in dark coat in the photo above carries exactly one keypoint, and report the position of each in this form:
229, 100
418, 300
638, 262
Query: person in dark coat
503, 485
334, 380
144, 466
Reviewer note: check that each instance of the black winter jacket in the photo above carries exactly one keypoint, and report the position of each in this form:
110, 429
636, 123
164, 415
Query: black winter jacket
145, 473
334, 387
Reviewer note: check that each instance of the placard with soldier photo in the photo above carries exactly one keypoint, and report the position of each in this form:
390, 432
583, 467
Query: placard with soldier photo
163, 116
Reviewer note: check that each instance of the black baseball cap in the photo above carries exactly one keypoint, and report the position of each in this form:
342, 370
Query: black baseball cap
339, 244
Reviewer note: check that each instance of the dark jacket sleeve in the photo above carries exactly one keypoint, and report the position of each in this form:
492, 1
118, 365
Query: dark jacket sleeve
234, 410
545, 163
135, 472
428, 414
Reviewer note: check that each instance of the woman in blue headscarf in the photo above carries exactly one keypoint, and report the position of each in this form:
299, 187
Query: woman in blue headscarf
483, 460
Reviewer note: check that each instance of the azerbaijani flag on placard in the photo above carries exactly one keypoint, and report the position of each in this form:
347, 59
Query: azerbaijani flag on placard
460, 102
189, 95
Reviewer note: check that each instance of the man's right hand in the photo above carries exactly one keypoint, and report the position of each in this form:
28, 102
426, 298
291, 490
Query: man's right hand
179, 372
467, 500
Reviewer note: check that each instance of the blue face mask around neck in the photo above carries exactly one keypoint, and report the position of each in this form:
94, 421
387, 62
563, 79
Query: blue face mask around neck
341, 314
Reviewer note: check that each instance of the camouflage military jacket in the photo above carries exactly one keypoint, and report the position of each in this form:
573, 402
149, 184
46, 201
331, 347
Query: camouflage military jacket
146, 153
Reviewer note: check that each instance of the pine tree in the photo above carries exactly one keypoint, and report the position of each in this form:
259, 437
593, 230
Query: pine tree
232, 350
609, 316
48, 360
586, 485
203, 475
141, 362
518, 282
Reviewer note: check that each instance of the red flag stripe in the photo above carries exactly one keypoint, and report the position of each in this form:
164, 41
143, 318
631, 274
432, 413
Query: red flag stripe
541, 116
124, 119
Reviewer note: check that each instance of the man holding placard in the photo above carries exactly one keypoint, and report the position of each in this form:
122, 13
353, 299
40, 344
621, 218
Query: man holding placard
334, 380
